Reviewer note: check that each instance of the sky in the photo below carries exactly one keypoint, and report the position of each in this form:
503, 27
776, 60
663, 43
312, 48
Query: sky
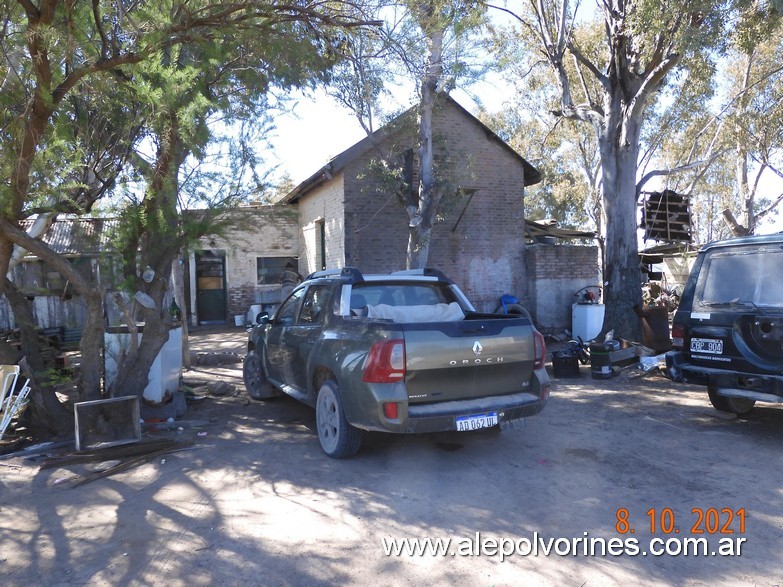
306, 139
319, 128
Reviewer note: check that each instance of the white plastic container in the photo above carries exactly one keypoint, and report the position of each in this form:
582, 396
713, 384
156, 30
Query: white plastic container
587, 320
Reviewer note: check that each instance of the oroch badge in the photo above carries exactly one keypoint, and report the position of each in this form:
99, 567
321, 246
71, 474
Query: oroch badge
477, 348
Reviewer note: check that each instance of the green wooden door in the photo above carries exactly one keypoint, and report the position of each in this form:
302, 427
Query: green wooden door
211, 287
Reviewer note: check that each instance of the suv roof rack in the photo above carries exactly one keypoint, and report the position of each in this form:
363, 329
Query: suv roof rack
349, 274
427, 272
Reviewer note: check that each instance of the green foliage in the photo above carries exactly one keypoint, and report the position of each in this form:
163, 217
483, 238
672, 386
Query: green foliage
757, 23
112, 98
688, 123
735, 127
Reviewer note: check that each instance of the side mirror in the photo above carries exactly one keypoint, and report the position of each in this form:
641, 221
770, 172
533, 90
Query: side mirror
262, 318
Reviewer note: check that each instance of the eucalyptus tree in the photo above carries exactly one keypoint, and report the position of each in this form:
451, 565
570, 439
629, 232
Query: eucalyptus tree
55, 50
755, 112
729, 122
610, 87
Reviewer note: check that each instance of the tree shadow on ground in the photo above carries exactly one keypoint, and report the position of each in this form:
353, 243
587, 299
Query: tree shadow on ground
259, 503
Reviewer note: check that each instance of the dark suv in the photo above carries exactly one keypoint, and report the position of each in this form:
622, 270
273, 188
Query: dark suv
728, 331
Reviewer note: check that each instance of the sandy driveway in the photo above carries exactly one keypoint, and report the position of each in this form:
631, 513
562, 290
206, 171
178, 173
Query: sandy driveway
255, 501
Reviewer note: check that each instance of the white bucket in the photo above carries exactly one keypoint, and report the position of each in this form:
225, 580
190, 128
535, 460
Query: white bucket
239, 320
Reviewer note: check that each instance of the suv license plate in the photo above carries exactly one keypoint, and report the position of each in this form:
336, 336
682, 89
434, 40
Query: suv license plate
712, 346
467, 423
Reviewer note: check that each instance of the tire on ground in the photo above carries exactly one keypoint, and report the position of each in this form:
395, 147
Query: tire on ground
339, 439
735, 405
255, 381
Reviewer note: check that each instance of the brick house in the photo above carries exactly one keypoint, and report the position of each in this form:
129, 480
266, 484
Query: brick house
344, 214
228, 273
347, 216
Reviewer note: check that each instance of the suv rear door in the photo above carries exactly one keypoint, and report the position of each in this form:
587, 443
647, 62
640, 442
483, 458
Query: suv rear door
735, 319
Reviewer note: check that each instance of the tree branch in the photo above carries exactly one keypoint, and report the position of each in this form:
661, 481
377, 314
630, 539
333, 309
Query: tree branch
603, 79
650, 83
43, 251
660, 172
775, 203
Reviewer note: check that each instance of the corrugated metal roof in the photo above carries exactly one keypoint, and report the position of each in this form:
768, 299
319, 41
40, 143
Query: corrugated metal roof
79, 236
549, 228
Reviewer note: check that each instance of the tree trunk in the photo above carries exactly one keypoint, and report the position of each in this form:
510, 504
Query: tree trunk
421, 224
746, 193
133, 366
418, 247
622, 275
159, 247
91, 346
45, 416
133, 372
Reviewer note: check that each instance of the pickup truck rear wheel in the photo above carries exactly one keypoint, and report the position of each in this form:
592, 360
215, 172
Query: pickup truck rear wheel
255, 381
735, 405
339, 439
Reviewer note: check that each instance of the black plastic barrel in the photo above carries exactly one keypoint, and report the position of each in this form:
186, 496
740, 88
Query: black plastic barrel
600, 361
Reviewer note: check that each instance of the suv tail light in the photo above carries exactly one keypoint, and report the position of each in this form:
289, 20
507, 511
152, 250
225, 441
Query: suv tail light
385, 362
539, 346
679, 332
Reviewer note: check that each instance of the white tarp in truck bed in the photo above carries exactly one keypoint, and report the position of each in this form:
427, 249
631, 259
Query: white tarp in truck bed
425, 313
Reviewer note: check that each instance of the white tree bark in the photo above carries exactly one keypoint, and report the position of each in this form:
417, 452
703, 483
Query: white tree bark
423, 218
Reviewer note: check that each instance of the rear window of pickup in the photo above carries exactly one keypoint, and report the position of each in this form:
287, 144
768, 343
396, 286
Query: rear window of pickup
356, 298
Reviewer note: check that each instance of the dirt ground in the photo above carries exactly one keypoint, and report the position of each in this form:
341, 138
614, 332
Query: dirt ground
255, 502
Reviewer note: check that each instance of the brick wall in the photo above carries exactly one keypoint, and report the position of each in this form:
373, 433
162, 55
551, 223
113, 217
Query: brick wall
483, 251
555, 273
324, 204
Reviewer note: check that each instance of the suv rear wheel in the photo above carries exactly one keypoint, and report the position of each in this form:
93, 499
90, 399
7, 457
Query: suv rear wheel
735, 405
339, 439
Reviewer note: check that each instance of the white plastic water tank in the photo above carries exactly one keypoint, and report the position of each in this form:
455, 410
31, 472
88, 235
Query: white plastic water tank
587, 320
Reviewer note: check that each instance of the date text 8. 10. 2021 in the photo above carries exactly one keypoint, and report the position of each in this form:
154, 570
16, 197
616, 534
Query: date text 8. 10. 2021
701, 520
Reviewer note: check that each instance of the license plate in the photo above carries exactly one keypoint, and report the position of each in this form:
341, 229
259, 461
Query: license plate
466, 423
711, 346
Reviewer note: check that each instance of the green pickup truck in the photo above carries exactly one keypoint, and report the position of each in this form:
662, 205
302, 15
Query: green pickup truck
404, 352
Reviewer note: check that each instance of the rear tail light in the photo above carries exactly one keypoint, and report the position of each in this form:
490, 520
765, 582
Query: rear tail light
385, 362
539, 346
679, 332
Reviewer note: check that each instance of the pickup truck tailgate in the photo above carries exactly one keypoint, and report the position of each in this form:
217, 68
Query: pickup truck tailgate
470, 359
